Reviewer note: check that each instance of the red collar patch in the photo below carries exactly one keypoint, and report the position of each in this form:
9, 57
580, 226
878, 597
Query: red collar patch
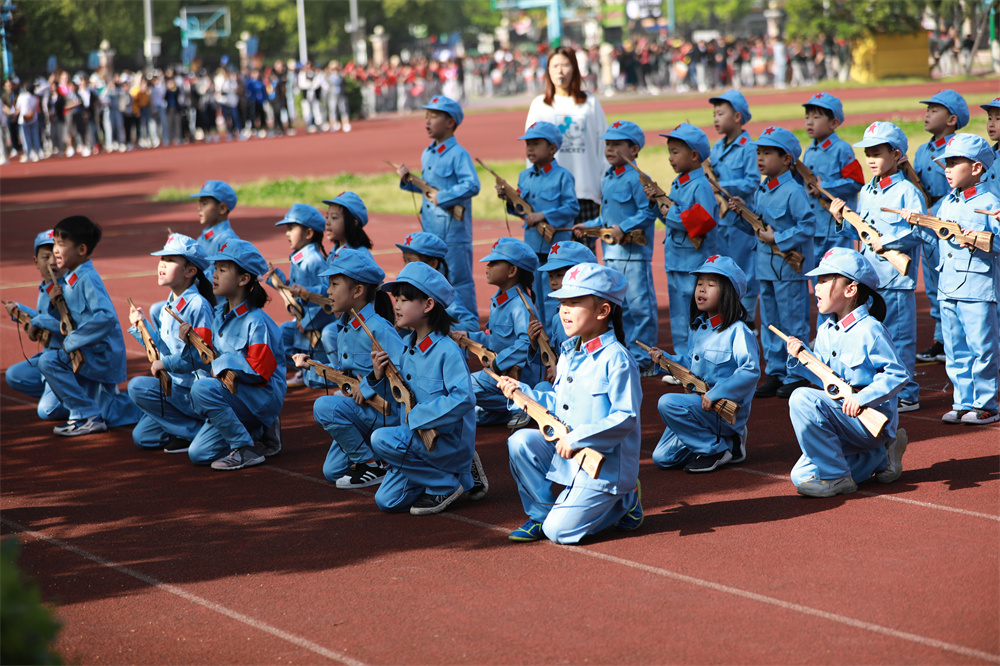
684, 179
242, 310
425, 344
848, 320
743, 141
209, 234
297, 257
772, 184
971, 192
826, 144
355, 324
593, 345
72, 279
48, 289
502, 298
545, 169
179, 305
715, 321
620, 170
885, 182
441, 148
940, 142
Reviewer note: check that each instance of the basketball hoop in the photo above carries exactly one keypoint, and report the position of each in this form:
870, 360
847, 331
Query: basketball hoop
211, 37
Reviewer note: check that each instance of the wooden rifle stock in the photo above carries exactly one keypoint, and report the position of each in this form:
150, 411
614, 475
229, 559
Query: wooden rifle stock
660, 199
24, 319
980, 240
521, 207
720, 197
792, 258
152, 353
401, 393
485, 355
205, 351
294, 308
545, 350
606, 234
66, 325
457, 211
552, 429
725, 407
319, 300
348, 385
835, 387
982, 212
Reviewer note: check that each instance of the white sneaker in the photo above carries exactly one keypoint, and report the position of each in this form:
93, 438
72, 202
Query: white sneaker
70, 152
904, 406
518, 419
296, 380
347, 127
954, 416
980, 417
670, 379
24, 158
34, 156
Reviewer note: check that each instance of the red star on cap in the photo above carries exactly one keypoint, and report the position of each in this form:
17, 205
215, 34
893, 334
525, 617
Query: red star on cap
818, 96
554, 249
829, 253
951, 139
616, 124
434, 101
678, 127
711, 260
871, 128
495, 244
573, 273
406, 241
768, 131
170, 238
341, 194
532, 125
223, 248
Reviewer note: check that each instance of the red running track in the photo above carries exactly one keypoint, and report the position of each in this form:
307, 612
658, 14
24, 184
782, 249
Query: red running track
152, 560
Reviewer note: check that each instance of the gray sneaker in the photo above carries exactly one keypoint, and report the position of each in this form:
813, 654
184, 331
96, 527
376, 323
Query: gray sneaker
238, 459
478, 490
270, 441
431, 504
828, 487
895, 450
77, 427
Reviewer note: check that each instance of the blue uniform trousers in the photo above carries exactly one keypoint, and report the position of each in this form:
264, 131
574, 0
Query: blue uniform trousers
971, 342
576, 511
295, 342
640, 318
163, 417
458, 237
680, 289
901, 321
409, 476
833, 444
786, 306
26, 378
85, 398
741, 248
821, 247
351, 427
228, 422
690, 431
932, 256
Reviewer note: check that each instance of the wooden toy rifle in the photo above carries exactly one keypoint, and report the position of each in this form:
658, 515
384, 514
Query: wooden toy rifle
321, 301
552, 429
545, 351
980, 240
205, 351
899, 260
152, 353
660, 199
911, 175
982, 212
401, 393
294, 307
606, 234
66, 325
348, 385
725, 407
835, 387
485, 355
792, 258
24, 319
521, 206
723, 200
457, 211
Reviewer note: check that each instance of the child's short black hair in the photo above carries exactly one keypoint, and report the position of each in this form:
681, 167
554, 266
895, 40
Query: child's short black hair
438, 318
44, 246
354, 233
256, 295
825, 111
877, 308
80, 230
723, 102
382, 304
730, 308
526, 281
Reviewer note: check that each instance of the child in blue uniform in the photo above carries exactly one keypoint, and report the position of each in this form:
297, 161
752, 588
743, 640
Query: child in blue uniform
431, 250
304, 229
734, 160
723, 351
91, 395
884, 146
510, 264
25, 376
354, 280
991, 179
947, 112
969, 285
446, 166
838, 452
421, 481
625, 208
550, 190
216, 201
171, 422
832, 161
249, 346
346, 218
597, 394
783, 205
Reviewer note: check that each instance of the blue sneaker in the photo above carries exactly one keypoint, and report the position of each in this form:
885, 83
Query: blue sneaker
634, 516
530, 531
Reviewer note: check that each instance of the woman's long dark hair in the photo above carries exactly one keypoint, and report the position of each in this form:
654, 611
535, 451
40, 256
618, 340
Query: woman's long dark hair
730, 307
575, 83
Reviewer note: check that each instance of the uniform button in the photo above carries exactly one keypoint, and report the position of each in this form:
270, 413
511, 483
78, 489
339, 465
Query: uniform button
408, 377
569, 379
949, 255
833, 353
345, 355
566, 407
928, 168
696, 357
836, 328
411, 352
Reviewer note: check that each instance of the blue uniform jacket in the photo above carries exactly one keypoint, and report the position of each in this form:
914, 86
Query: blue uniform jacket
550, 189
211, 240
735, 165
783, 203
97, 331
694, 204
506, 331
624, 203
893, 191
931, 172
832, 161
598, 395
305, 267
354, 347
992, 177
179, 358
969, 275
447, 167
436, 371
727, 359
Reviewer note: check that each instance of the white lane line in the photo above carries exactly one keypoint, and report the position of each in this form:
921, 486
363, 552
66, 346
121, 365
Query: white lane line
306, 644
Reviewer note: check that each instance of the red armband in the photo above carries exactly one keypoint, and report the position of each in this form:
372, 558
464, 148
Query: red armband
697, 221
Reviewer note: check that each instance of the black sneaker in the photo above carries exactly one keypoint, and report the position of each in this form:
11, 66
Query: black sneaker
785, 390
933, 354
708, 463
478, 490
739, 449
362, 475
270, 441
769, 388
177, 445
429, 504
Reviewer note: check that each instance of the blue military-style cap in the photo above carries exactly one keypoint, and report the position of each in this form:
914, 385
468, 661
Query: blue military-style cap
879, 133
723, 265
955, 104
305, 215
427, 280
849, 263
45, 238
568, 253
543, 130
353, 203
355, 264
779, 137
220, 191
827, 101
972, 146
513, 251
184, 246
624, 130
425, 243
992, 104
693, 137
447, 105
243, 254
736, 100
594, 280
